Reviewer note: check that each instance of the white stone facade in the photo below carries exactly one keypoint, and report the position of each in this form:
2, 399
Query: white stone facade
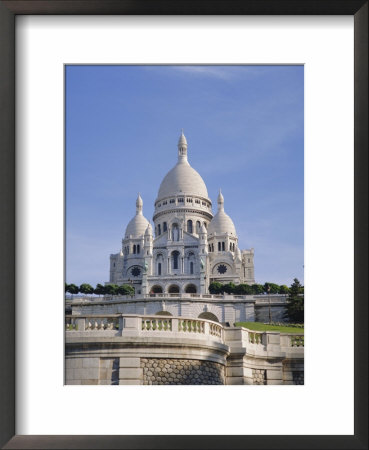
189, 248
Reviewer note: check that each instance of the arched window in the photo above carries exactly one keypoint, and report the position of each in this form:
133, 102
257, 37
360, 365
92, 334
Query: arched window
159, 230
230, 246
175, 257
134, 248
209, 248
164, 227
212, 247
223, 246
156, 290
198, 227
190, 289
159, 268
173, 289
191, 268
219, 246
138, 248
189, 226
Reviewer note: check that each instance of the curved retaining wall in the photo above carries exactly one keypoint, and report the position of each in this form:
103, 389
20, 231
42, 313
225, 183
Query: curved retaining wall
132, 349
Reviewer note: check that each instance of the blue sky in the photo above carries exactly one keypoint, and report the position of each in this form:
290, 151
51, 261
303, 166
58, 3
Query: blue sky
245, 131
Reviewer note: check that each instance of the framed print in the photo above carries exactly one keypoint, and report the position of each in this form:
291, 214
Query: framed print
40, 41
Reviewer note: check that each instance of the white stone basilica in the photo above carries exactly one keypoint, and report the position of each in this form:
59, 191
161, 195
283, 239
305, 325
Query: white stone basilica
191, 247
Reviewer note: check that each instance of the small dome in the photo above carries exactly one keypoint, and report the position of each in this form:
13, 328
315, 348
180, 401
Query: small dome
221, 222
138, 225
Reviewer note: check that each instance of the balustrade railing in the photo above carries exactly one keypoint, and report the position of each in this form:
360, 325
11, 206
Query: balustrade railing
297, 341
131, 324
155, 324
215, 330
109, 322
255, 337
292, 340
191, 326
276, 298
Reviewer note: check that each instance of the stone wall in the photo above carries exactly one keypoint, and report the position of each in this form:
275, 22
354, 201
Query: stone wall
181, 371
277, 312
259, 376
109, 371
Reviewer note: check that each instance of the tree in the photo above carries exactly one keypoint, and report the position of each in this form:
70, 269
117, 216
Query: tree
73, 289
243, 289
257, 289
66, 288
295, 303
86, 289
126, 289
271, 288
100, 289
283, 289
229, 288
111, 289
215, 287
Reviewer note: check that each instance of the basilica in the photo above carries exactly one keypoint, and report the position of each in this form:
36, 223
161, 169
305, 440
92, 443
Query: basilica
189, 247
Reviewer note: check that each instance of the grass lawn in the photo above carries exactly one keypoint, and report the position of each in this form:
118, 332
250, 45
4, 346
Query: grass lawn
258, 326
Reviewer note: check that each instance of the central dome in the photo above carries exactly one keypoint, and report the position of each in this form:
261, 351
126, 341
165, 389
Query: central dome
182, 179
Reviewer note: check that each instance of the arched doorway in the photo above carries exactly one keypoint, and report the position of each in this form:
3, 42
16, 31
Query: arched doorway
208, 316
163, 313
190, 289
173, 289
156, 290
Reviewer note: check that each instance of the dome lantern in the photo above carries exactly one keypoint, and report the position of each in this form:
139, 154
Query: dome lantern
182, 148
139, 204
220, 201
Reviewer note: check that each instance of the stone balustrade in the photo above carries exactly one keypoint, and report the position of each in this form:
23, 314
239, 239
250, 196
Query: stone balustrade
275, 298
131, 325
255, 337
108, 322
292, 340
178, 327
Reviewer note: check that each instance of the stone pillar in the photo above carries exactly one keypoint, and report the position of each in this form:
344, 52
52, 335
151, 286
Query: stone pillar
130, 371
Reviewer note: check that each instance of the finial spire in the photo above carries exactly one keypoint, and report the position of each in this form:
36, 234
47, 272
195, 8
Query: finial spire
220, 201
182, 148
139, 204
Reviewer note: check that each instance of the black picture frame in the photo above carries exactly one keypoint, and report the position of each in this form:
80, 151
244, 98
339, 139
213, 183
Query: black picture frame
8, 12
